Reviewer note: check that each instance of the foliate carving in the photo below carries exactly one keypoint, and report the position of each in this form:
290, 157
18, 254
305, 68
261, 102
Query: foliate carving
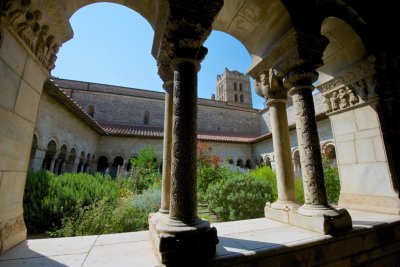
295, 50
358, 71
310, 155
27, 23
184, 142
270, 85
350, 95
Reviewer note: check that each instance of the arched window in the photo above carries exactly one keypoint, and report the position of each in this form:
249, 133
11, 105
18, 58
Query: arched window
249, 164
240, 87
49, 157
146, 118
241, 99
268, 162
90, 110
239, 163
102, 164
236, 98
234, 86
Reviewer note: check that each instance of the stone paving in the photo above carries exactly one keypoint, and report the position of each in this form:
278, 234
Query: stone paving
240, 241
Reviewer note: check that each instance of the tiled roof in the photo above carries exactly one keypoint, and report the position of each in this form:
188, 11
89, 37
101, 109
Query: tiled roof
157, 132
132, 130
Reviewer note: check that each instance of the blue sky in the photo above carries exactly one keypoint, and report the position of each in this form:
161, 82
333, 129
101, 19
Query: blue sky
117, 51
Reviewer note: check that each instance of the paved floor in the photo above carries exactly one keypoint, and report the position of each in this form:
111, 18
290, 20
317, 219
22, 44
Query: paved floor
239, 238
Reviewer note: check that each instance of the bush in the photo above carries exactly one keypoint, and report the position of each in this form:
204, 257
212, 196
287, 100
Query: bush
48, 198
104, 217
144, 170
265, 173
36, 190
332, 184
237, 198
298, 183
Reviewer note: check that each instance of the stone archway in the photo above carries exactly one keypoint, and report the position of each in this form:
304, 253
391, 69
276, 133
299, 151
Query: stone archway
102, 164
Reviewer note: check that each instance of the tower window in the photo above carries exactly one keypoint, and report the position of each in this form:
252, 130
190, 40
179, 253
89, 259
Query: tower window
241, 99
234, 86
240, 87
236, 98
146, 118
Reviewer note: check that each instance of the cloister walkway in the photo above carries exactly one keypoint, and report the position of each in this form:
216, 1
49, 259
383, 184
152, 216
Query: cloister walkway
256, 242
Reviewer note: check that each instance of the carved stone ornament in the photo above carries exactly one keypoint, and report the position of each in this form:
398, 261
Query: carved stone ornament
28, 24
294, 50
270, 86
361, 70
350, 95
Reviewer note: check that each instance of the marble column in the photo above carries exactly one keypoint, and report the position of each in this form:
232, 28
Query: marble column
182, 235
281, 143
315, 197
167, 147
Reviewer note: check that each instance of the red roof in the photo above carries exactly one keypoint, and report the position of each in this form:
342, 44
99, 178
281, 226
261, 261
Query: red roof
132, 130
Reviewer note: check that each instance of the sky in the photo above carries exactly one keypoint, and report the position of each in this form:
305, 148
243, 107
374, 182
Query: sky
112, 45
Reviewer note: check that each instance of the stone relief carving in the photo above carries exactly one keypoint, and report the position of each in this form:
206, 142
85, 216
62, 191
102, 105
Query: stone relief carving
270, 85
26, 22
349, 95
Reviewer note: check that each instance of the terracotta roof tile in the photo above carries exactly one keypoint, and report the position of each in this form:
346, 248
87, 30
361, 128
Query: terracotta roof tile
132, 130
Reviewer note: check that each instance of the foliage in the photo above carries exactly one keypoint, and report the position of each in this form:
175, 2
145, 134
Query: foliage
332, 183
48, 198
298, 183
239, 197
265, 173
144, 170
104, 217
205, 156
36, 189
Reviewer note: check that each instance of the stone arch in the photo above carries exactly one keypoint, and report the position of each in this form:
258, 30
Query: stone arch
249, 164
102, 164
118, 162
82, 159
240, 163
70, 165
87, 163
59, 165
51, 151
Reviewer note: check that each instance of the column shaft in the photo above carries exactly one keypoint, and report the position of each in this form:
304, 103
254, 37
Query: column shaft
281, 143
309, 147
184, 141
167, 147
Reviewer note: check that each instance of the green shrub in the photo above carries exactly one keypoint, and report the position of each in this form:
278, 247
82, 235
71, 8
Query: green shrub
49, 198
144, 170
105, 217
298, 183
265, 173
36, 190
237, 198
332, 183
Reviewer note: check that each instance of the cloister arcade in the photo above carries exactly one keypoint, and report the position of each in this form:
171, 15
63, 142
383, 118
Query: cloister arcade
346, 47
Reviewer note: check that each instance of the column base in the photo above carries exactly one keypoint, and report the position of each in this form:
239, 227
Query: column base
180, 243
279, 210
321, 219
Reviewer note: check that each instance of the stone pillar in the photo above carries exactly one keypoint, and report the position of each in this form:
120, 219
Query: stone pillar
167, 147
38, 159
182, 235
281, 143
315, 197
316, 213
275, 94
53, 162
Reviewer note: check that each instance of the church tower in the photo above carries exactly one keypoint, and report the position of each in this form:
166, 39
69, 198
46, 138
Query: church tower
233, 88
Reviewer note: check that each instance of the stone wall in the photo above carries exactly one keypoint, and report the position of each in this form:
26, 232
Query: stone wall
21, 79
127, 106
57, 123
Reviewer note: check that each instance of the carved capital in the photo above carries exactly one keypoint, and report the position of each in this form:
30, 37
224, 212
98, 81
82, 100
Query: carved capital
31, 24
270, 85
295, 52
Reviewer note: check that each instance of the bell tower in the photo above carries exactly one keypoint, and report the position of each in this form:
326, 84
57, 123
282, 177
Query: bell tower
233, 87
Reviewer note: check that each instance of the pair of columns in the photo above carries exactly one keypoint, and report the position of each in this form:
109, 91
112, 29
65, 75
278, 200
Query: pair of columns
315, 197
